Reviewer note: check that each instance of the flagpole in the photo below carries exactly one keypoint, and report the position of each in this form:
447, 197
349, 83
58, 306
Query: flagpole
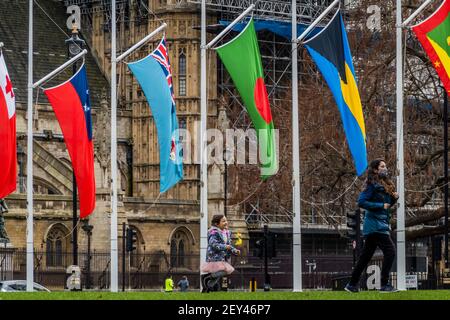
316, 22
59, 69
202, 142
141, 42
446, 175
114, 253
231, 25
401, 246
30, 244
401, 254
416, 13
296, 230
203, 122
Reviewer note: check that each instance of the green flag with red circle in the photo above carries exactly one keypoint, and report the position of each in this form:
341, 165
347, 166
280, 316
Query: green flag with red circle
242, 59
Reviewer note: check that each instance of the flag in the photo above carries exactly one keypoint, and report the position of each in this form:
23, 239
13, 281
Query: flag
242, 59
72, 107
8, 154
155, 78
331, 52
434, 35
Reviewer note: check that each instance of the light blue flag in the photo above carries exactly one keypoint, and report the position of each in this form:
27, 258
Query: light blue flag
155, 78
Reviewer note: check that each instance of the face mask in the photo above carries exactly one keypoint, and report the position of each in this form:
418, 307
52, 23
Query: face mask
383, 173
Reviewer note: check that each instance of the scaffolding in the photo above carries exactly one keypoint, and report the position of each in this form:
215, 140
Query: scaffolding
276, 59
275, 50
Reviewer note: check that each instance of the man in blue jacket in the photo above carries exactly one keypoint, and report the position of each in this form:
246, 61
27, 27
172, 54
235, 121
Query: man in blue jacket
377, 199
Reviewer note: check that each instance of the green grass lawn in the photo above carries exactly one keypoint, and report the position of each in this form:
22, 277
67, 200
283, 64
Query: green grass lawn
273, 295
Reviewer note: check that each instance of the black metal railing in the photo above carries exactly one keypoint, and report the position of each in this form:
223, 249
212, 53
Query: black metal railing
148, 271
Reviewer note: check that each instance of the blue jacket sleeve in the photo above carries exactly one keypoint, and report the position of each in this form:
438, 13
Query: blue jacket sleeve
215, 243
230, 243
365, 197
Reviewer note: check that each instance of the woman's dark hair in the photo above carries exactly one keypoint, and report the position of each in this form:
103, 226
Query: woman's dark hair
373, 177
216, 219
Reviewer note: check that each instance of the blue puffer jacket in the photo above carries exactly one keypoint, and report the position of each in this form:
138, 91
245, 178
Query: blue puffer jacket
376, 218
217, 244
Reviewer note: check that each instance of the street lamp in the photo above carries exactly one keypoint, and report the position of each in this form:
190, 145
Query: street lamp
74, 46
3, 235
226, 157
88, 229
21, 160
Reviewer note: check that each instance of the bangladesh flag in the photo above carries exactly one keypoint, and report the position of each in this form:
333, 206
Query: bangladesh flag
434, 34
242, 60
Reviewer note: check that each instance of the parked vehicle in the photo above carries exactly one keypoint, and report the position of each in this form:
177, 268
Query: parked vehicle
20, 286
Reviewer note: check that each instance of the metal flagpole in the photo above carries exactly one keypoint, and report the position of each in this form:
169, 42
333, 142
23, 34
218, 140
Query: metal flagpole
114, 220
30, 245
446, 175
230, 26
316, 22
114, 252
401, 250
296, 231
203, 119
59, 69
202, 142
401, 256
141, 42
416, 13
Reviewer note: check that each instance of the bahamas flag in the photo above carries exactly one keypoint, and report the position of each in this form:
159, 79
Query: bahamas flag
155, 78
331, 52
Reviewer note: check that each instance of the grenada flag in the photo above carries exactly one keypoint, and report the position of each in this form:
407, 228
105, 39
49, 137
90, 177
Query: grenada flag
8, 155
434, 35
242, 59
72, 107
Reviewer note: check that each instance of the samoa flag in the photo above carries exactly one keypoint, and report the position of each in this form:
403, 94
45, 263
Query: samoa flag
70, 101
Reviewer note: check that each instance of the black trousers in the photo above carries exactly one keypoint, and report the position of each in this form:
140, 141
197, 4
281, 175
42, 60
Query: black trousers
374, 240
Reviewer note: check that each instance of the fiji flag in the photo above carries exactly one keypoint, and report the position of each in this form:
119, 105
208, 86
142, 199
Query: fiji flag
72, 107
155, 77
331, 52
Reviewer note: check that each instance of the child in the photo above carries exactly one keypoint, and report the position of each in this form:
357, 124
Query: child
218, 253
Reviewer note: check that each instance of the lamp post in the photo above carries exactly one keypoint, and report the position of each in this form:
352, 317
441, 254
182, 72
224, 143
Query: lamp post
446, 176
226, 157
88, 229
74, 46
21, 160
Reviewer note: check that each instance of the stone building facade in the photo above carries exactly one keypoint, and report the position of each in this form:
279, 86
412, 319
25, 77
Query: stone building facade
168, 222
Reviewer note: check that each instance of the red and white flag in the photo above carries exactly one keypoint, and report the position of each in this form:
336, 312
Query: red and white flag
8, 155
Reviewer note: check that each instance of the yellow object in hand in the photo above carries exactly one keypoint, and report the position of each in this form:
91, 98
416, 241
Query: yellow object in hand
238, 241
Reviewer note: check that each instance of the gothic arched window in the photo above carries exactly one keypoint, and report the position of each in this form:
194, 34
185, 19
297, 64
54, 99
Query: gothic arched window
181, 253
179, 246
182, 73
173, 253
56, 246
